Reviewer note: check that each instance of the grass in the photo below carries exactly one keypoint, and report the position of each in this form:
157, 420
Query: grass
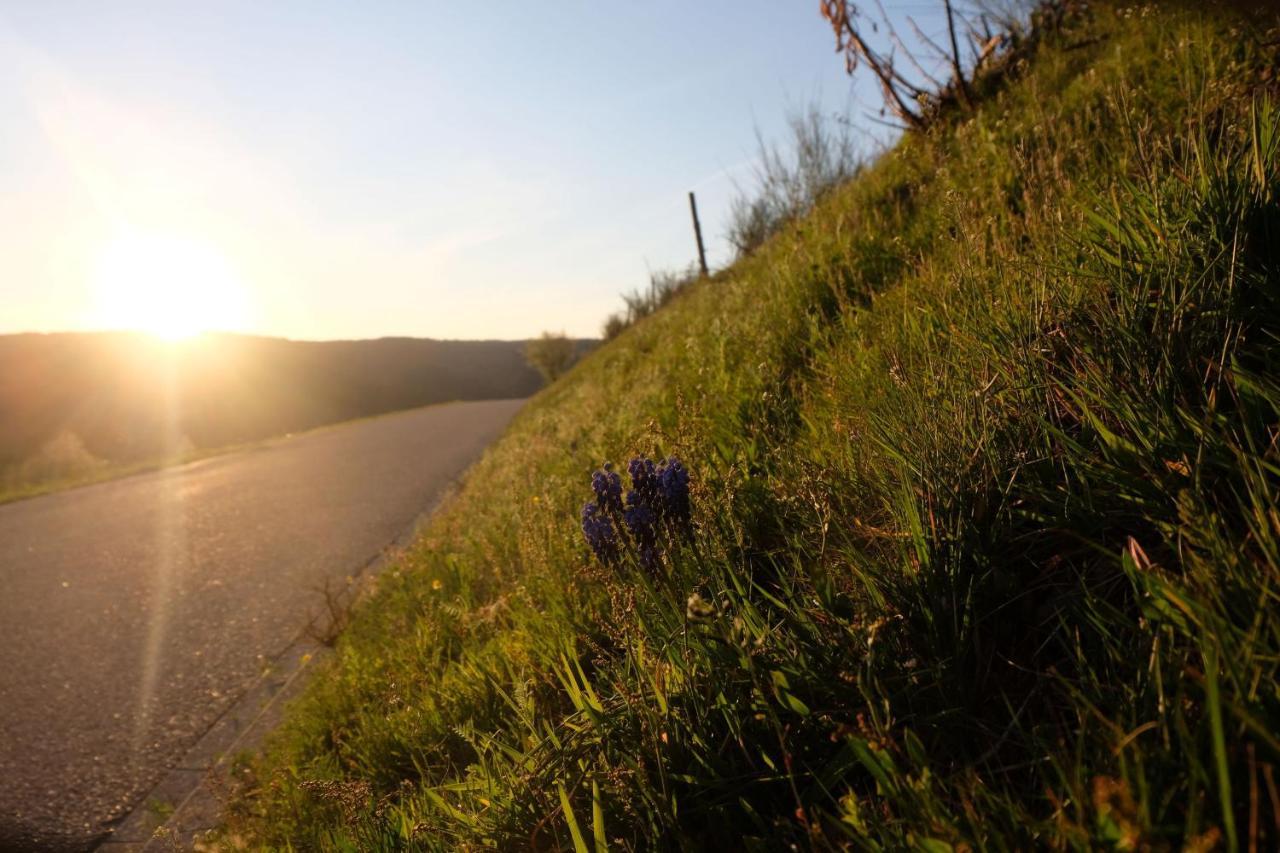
16, 489
987, 545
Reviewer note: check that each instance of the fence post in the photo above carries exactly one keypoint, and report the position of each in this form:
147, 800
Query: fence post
697, 232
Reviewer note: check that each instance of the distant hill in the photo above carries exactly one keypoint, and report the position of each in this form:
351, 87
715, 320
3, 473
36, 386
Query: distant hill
75, 399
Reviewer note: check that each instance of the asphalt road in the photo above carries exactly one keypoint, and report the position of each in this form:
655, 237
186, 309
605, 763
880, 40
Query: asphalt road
134, 612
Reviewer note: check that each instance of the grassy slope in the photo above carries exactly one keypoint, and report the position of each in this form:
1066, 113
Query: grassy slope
984, 474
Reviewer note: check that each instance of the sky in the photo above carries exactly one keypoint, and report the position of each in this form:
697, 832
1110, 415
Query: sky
354, 170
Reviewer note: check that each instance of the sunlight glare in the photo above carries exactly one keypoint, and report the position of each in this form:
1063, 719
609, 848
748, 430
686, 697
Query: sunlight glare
173, 287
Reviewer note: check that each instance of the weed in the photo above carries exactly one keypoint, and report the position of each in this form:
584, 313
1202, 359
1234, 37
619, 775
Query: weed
664, 285
822, 155
339, 598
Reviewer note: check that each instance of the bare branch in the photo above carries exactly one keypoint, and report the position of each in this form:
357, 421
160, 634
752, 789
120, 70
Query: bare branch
918, 98
920, 34
893, 34
962, 85
896, 88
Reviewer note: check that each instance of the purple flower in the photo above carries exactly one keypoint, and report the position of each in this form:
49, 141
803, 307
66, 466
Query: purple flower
644, 480
642, 523
608, 488
673, 485
657, 506
599, 533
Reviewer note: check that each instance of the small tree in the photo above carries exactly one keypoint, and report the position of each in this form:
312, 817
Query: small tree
551, 355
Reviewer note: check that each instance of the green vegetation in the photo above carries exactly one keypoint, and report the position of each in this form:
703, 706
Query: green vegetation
551, 354
18, 483
987, 547
664, 286
787, 183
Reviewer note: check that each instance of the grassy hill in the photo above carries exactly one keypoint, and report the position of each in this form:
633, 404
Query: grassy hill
985, 545
77, 404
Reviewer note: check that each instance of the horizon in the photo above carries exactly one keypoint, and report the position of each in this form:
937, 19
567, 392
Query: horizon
447, 174
206, 334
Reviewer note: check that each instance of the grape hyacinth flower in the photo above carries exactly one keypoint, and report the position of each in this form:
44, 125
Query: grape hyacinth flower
600, 534
642, 523
644, 481
608, 488
657, 508
673, 485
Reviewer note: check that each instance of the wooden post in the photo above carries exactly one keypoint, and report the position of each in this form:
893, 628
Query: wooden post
697, 232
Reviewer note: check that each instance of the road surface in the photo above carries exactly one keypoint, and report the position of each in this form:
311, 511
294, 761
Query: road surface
134, 612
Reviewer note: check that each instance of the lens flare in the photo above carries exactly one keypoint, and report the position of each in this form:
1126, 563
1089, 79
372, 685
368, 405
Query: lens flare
171, 286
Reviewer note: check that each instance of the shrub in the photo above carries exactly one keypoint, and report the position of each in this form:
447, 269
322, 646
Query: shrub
614, 325
822, 155
552, 354
664, 285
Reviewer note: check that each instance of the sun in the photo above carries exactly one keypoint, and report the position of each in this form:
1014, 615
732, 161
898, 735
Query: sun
169, 285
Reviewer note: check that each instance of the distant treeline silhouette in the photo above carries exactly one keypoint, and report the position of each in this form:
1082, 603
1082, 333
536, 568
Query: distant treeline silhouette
76, 399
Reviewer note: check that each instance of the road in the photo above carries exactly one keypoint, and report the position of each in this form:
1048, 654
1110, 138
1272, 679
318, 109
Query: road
133, 613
